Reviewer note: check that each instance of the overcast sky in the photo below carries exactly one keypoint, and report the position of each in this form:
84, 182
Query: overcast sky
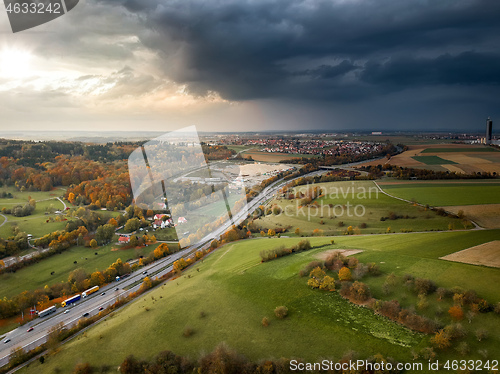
243, 65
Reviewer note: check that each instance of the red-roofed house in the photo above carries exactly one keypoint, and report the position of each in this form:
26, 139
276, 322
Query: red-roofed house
123, 239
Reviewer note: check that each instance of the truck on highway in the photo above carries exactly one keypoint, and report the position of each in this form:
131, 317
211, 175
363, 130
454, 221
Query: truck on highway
90, 291
122, 277
47, 311
71, 300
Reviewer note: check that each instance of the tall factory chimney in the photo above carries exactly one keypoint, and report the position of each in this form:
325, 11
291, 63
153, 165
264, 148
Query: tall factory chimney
489, 128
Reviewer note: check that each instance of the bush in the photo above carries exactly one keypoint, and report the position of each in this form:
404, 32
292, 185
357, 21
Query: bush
463, 348
482, 334
456, 313
360, 292
265, 322
268, 255
455, 331
281, 312
424, 286
441, 339
188, 331
442, 293
374, 269
345, 274
83, 369
345, 289
390, 309
497, 308
360, 271
335, 261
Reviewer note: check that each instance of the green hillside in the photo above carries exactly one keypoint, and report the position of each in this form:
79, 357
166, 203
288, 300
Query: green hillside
235, 291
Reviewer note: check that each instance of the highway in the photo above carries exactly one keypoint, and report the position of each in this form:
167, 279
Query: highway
41, 326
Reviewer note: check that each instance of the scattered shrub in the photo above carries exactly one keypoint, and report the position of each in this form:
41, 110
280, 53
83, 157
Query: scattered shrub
281, 312
456, 313
345, 274
482, 334
187, 332
424, 286
268, 255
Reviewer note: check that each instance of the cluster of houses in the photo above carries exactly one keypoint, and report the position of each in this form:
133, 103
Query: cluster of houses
317, 146
159, 222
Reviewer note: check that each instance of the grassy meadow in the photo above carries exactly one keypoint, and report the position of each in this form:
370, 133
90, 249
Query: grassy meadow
34, 224
23, 197
372, 206
38, 275
447, 194
432, 160
235, 291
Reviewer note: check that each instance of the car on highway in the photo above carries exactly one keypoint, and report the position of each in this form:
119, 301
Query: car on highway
145, 272
30, 329
104, 293
101, 308
116, 289
6, 341
67, 311
85, 314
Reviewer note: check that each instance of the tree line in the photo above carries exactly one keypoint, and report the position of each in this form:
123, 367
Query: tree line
400, 172
224, 360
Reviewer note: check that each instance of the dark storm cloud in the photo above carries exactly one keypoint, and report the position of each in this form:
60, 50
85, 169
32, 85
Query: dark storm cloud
303, 48
468, 68
329, 71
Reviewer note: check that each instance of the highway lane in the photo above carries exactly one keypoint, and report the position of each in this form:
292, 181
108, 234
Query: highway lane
41, 326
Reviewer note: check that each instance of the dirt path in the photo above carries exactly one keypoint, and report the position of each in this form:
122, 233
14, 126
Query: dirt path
5, 220
63, 203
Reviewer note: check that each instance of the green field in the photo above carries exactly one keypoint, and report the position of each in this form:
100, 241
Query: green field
38, 275
23, 197
432, 160
458, 150
236, 291
165, 234
374, 203
447, 194
34, 224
